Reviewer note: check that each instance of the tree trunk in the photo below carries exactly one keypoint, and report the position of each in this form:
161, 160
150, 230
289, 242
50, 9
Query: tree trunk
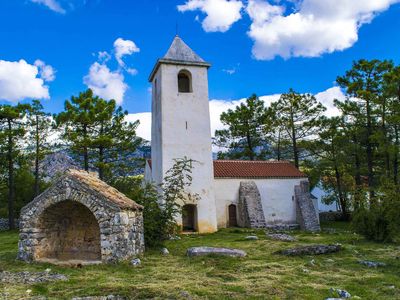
370, 153
250, 146
342, 199
295, 151
11, 191
357, 175
396, 156
36, 188
279, 146
85, 150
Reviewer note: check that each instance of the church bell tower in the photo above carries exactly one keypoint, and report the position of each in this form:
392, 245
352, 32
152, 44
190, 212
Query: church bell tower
181, 127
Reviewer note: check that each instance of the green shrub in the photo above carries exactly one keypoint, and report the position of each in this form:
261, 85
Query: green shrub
379, 220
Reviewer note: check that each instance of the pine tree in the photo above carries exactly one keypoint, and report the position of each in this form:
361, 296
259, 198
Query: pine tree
40, 126
299, 115
11, 132
245, 130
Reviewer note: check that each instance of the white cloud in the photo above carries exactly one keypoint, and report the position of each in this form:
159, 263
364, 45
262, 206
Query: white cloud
105, 83
326, 98
315, 28
20, 80
122, 48
103, 56
111, 84
217, 107
144, 128
54, 5
221, 14
46, 72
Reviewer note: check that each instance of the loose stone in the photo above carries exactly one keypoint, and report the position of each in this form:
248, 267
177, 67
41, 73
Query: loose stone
136, 262
251, 237
30, 277
281, 237
311, 250
202, 251
164, 251
372, 264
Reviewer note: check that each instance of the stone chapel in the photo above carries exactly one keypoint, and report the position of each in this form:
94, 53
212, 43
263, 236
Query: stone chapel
253, 194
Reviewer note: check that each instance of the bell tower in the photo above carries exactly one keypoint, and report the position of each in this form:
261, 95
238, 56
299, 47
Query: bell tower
181, 127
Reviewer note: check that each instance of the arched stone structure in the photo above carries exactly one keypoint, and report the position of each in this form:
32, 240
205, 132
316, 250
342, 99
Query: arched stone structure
81, 218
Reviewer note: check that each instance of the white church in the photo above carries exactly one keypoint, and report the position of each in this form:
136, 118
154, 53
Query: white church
231, 192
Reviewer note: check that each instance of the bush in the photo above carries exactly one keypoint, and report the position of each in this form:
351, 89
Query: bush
161, 204
378, 220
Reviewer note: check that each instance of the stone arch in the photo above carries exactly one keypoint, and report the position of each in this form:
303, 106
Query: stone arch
184, 81
105, 224
68, 236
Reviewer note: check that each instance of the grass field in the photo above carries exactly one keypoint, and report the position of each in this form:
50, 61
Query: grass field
260, 275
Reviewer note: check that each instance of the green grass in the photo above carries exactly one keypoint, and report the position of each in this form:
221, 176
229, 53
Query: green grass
260, 275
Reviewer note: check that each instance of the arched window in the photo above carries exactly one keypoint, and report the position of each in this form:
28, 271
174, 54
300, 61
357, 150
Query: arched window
184, 82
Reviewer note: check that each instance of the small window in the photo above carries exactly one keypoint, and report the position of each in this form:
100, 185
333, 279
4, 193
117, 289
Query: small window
184, 82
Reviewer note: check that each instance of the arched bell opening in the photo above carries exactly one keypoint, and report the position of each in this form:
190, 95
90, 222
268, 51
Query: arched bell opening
185, 82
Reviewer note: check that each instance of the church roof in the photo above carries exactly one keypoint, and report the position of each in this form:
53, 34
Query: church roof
179, 53
254, 169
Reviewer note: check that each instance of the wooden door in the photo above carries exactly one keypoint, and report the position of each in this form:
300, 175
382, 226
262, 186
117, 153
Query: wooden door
188, 217
232, 215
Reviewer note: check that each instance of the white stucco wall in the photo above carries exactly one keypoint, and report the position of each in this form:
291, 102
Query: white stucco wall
319, 193
277, 196
181, 127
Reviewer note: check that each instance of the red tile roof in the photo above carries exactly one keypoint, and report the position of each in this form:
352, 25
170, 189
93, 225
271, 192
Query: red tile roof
254, 169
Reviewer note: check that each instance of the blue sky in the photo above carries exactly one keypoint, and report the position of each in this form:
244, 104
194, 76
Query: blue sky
237, 37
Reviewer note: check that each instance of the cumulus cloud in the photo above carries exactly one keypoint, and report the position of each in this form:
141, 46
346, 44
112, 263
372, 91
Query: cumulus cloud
144, 128
123, 48
20, 80
111, 84
106, 83
221, 14
54, 5
316, 27
46, 72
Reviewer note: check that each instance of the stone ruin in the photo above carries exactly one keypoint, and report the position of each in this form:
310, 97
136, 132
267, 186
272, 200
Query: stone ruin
307, 217
80, 219
251, 213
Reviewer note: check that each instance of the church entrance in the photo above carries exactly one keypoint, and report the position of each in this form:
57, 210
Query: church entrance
232, 215
189, 212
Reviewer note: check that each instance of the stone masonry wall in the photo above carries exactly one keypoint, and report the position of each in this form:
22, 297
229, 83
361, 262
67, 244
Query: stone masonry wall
121, 230
251, 213
306, 214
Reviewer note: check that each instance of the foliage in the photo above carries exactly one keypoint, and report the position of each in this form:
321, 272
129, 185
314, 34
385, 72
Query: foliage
12, 132
161, 205
379, 221
244, 134
96, 130
39, 126
298, 115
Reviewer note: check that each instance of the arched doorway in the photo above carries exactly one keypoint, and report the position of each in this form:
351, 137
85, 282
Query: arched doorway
232, 213
189, 217
70, 231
